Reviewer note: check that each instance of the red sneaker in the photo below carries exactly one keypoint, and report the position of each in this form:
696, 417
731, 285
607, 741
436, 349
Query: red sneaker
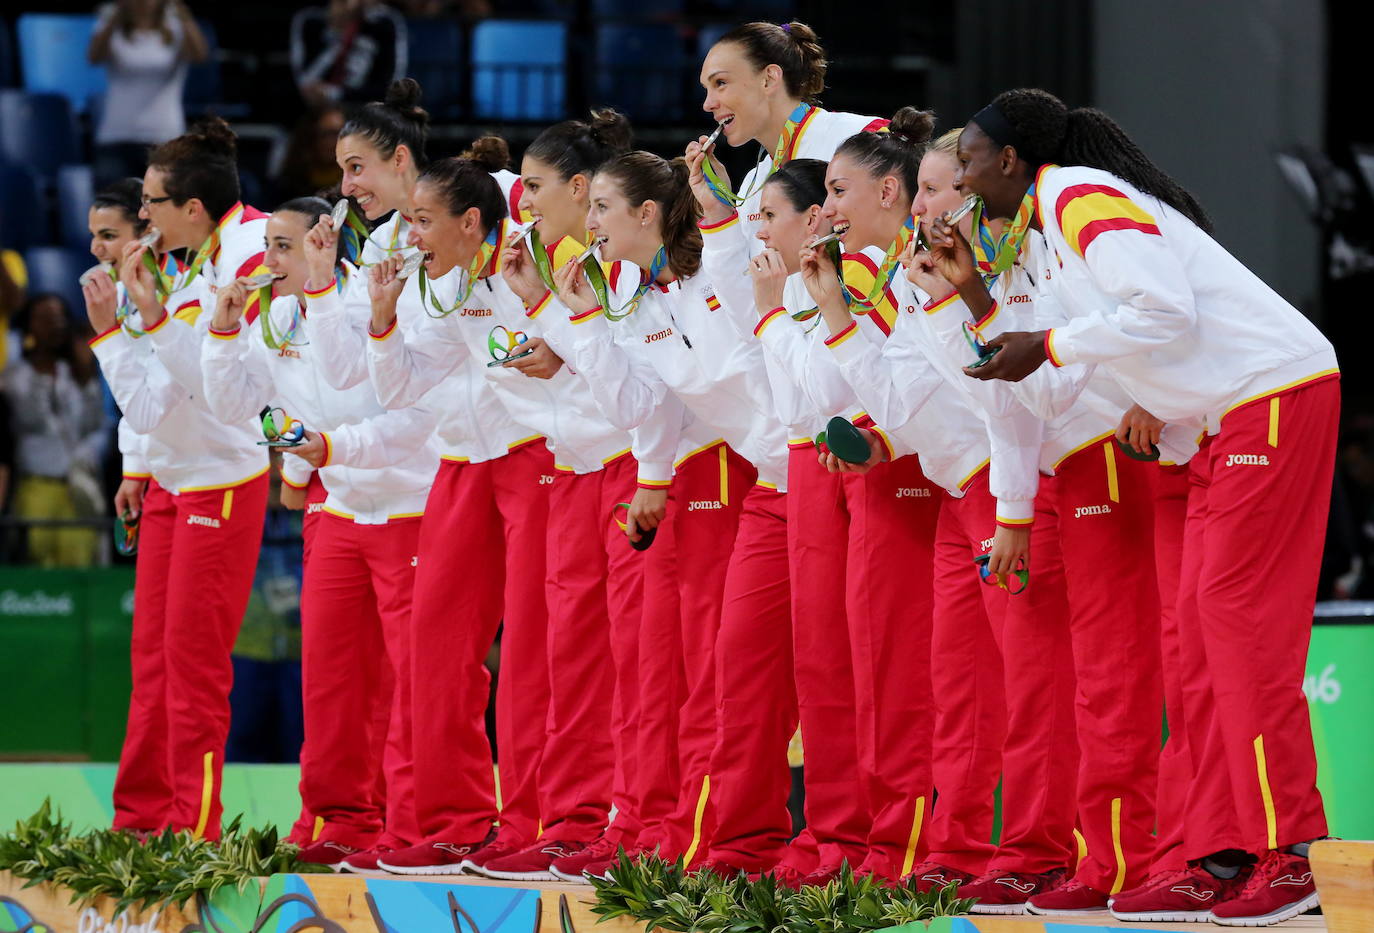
1179, 896
789, 877
574, 867
327, 853
1071, 899
1280, 887
428, 858
365, 860
533, 863
496, 848
722, 870
823, 875
930, 876
1006, 892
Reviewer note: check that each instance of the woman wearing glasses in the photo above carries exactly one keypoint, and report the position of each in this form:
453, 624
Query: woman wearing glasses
205, 502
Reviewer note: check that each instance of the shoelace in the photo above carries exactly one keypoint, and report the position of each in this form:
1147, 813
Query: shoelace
602, 846
1264, 872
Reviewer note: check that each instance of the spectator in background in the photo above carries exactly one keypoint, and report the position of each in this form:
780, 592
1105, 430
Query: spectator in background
14, 278
60, 430
146, 46
308, 166
349, 51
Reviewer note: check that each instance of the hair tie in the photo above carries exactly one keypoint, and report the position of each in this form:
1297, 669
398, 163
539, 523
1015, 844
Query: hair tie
787, 28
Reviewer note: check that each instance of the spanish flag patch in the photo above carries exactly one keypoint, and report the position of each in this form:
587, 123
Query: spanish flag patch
1085, 212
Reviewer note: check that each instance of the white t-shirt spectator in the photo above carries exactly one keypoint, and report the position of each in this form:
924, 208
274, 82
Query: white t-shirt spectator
146, 76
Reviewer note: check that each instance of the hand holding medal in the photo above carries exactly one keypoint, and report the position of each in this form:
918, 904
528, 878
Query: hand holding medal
321, 251
572, 286
384, 286
950, 250
140, 283
280, 429
820, 272
769, 273
518, 267
102, 300
698, 154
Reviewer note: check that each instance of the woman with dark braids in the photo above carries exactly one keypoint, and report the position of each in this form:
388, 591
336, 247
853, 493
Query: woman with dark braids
1196, 339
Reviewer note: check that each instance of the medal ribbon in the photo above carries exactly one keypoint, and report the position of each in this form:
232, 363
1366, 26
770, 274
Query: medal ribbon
888, 268
782, 154
596, 276
542, 264
486, 252
269, 336
995, 256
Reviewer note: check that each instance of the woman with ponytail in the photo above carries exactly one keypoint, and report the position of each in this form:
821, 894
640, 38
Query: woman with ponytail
205, 501
555, 177
381, 151
590, 577
363, 473
1198, 340
763, 84
870, 183
1091, 498
663, 359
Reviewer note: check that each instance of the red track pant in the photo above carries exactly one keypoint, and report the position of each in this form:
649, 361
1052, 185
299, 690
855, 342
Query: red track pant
1252, 550
482, 547
756, 701
1104, 504
1040, 756
890, 607
684, 585
820, 506
594, 592
355, 620
1175, 761
196, 557
967, 679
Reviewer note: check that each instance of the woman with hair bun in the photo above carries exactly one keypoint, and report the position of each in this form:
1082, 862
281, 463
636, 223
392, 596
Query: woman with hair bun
472, 502
363, 474
1197, 340
590, 578
663, 359
763, 83
207, 495
893, 509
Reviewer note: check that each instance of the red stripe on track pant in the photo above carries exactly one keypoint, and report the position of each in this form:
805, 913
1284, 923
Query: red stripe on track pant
196, 557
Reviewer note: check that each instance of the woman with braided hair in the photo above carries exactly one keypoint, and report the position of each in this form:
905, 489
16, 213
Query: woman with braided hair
1196, 339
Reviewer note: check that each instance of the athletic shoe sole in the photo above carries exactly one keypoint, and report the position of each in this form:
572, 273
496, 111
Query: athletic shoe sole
545, 875
1269, 919
1165, 916
1043, 912
998, 909
421, 869
579, 878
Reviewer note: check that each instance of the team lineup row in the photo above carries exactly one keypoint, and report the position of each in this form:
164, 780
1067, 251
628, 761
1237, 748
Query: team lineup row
961, 451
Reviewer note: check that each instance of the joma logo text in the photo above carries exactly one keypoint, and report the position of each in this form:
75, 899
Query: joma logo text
1247, 460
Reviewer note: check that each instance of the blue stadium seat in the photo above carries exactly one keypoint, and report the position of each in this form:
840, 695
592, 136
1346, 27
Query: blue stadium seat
75, 191
6, 55
37, 130
202, 91
56, 269
641, 70
22, 221
53, 56
518, 70
637, 10
436, 59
